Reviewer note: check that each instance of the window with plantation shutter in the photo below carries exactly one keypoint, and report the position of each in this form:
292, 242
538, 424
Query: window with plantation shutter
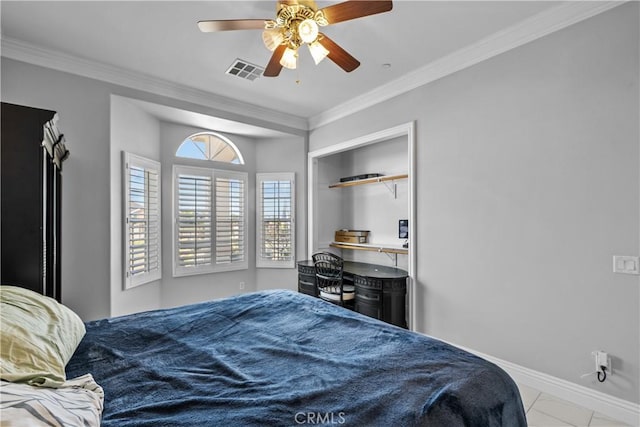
230, 219
194, 221
142, 240
209, 220
275, 220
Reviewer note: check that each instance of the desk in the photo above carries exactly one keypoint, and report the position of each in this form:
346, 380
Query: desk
380, 290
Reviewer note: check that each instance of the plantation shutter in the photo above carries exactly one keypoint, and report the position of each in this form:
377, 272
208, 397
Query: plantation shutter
142, 220
275, 220
210, 220
194, 222
230, 218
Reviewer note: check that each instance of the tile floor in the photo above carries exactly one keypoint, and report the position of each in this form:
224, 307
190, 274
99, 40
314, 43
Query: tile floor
545, 410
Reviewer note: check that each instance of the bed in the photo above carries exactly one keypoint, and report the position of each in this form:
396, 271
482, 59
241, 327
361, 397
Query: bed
282, 358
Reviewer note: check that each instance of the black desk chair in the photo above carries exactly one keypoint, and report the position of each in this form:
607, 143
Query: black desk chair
329, 281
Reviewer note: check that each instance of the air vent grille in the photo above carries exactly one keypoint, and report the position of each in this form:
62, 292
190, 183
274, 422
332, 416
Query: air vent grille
245, 70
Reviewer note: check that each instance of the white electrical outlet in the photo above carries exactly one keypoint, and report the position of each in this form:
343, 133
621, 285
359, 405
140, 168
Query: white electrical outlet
602, 360
241, 285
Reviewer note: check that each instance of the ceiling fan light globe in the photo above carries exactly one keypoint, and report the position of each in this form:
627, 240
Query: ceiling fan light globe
272, 38
318, 52
289, 59
308, 30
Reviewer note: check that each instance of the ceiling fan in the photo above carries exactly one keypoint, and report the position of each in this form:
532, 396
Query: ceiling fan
297, 23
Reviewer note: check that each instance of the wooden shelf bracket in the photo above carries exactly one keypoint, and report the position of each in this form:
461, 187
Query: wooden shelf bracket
392, 187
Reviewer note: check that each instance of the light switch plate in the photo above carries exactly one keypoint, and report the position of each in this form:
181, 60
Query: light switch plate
626, 264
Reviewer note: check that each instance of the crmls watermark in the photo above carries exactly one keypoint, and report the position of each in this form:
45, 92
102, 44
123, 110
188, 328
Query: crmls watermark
320, 418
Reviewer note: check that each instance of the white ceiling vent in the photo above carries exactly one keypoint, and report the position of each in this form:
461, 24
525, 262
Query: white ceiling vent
245, 70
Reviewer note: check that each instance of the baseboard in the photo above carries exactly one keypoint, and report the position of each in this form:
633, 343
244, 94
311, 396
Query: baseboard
606, 404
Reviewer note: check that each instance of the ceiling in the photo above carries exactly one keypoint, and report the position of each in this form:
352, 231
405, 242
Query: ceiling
161, 39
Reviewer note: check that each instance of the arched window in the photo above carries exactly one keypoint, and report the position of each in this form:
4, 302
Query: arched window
210, 146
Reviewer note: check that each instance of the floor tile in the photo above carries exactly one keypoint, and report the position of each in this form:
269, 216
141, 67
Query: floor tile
528, 395
539, 419
601, 420
563, 410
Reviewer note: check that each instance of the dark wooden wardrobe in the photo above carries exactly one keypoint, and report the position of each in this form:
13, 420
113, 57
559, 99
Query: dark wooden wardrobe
30, 193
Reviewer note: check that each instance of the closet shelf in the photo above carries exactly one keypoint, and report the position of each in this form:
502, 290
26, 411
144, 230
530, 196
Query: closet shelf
370, 247
369, 180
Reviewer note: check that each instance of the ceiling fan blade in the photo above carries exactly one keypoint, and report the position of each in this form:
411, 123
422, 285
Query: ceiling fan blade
353, 9
274, 67
338, 55
231, 24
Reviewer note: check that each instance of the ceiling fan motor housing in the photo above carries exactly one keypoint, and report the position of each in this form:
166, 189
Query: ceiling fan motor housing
289, 19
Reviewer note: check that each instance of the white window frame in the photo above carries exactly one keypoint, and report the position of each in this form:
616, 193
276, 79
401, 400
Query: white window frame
262, 262
130, 160
213, 266
208, 156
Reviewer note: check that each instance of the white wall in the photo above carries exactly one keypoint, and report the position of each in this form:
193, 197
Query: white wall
330, 211
527, 185
137, 132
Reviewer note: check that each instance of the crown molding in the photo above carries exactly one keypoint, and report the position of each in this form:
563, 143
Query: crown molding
533, 28
32, 54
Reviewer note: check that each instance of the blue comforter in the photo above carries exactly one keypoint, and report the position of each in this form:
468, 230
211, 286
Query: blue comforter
279, 358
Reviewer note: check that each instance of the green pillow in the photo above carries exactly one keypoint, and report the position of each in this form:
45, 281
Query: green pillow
38, 336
